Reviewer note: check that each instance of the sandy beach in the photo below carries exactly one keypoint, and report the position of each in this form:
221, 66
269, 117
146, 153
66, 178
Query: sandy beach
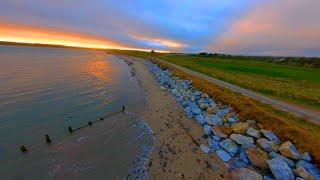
176, 153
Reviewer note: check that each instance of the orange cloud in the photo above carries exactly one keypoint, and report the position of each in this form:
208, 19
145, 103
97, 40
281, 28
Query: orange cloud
164, 42
28, 34
277, 27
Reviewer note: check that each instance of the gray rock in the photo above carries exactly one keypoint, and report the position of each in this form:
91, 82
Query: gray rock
238, 163
229, 146
245, 174
253, 132
289, 150
196, 110
271, 136
207, 129
217, 132
267, 145
204, 106
306, 156
243, 156
223, 155
213, 120
232, 120
213, 144
280, 169
216, 138
302, 172
200, 119
241, 139
288, 161
205, 149
267, 178
313, 170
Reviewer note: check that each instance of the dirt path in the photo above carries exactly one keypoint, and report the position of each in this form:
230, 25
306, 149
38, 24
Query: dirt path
309, 114
176, 154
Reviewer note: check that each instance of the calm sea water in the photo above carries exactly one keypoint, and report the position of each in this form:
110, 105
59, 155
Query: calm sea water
45, 90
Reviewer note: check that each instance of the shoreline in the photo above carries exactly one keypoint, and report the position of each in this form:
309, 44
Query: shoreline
227, 148
176, 153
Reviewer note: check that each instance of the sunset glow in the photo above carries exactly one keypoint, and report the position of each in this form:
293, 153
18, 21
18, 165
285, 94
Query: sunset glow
32, 35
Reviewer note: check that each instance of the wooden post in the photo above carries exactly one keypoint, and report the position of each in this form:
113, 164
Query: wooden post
23, 149
70, 129
90, 123
123, 108
48, 140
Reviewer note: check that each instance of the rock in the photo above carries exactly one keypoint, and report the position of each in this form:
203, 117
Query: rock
200, 119
306, 156
271, 136
267, 145
162, 88
280, 169
212, 110
243, 156
204, 95
245, 174
213, 120
257, 157
232, 120
204, 106
217, 132
287, 149
196, 110
205, 149
207, 129
226, 129
240, 128
288, 161
229, 146
243, 140
253, 132
216, 138
267, 178
313, 170
301, 172
213, 144
223, 155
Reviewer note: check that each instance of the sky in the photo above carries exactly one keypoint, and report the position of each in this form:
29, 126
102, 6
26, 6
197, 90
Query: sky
247, 27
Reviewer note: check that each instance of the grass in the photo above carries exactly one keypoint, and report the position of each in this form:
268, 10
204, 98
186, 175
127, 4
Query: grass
304, 134
292, 83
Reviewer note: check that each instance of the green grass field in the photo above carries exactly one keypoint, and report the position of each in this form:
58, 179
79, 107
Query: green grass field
291, 83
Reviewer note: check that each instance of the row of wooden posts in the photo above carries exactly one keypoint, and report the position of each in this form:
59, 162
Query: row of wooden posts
48, 140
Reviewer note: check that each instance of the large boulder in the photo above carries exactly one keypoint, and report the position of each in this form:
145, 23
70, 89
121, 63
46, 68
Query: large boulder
242, 140
280, 169
258, 157
229, 146
245, 174
287, 149
267, 145
213, 120
223, 155
287, 160
240, 128
313, 170
253, 132
302, 172
271, 136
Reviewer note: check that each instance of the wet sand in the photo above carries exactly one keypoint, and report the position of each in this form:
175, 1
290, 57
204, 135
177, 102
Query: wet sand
176, 153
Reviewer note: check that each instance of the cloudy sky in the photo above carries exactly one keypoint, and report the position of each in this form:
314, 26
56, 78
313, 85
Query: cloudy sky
256, 27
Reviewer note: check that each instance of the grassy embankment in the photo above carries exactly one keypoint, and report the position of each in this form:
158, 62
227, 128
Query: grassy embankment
304, 134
